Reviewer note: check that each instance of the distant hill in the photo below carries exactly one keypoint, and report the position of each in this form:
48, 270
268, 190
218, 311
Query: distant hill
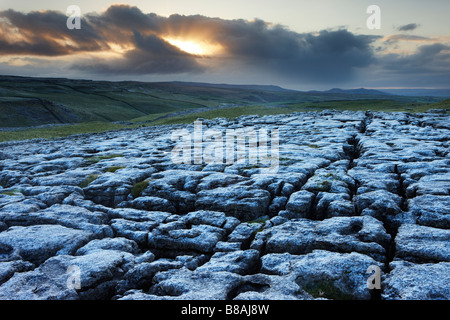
357, 91
233, 86
444, 93
26, 101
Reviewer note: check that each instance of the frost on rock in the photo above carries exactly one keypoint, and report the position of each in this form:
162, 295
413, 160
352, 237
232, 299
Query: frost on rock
351, 190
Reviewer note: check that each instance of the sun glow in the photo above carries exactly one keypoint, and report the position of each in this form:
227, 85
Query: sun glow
187, 46
196, 47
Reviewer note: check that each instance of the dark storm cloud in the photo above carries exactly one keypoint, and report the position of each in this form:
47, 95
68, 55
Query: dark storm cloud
405, 37
428, 66
247, 46
45, 34
325, 56
151, 55
408, 27
428, 61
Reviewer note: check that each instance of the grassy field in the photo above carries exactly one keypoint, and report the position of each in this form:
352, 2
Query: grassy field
83, 106
59, 131
360, 105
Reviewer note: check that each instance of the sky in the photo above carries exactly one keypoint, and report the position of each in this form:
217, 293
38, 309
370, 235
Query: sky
302, 45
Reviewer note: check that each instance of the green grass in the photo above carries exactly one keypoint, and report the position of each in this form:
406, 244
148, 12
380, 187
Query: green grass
262, 110
138, 187
251, 167
114, 169
326, 289
86, 182
11, 192
259, 220
445, 104
61, 131
228, 113
368, 104
95, 106
70, 101
324, 185
149, 118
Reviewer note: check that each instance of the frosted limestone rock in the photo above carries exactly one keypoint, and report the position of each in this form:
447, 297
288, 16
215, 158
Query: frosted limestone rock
422, 244
242, 202
352, 189
335, 274
343, 234
38, 243
99, 272
409, 281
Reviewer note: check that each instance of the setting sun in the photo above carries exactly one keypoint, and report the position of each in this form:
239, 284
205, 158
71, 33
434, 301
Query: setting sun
195, 47
187, 46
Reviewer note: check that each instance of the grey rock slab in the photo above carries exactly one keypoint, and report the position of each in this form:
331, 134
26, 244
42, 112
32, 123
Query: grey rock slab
150, 204
225, 246
435, 184
142, 274
336, 181
50, 195
192, 262
381, 202
9, 268
182, 180
18, 205
101, 268
9, 178
409, 281
268, 182
112, 188
242, 202
180, 237
37, 285
244, 233
431, 210
133, 230
117, 244
211, 218
342, 234
329, 205
422, 244
240, 262
219, 179
138, 215
65, 215
270, 287
184, 284
338, 275
72, 177
10, 196
38, 243
300, 204
277, 205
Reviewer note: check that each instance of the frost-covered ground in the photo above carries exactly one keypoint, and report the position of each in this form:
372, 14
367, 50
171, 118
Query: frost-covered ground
111, 216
